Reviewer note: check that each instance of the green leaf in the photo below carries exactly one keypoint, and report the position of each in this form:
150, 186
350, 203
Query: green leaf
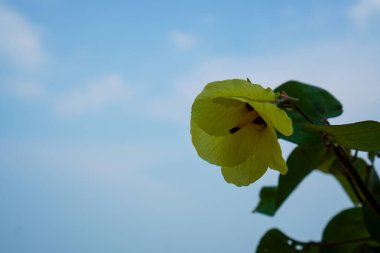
274, 241
299, 136
315, 102
366, 249
364, 135
300, 163
336, 169
372, 222
373, 183
267, 201
371, 219
371, 156
347, 226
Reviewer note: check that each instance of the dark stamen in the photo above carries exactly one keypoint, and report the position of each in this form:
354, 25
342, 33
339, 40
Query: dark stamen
234, 130
249, 107
259, 121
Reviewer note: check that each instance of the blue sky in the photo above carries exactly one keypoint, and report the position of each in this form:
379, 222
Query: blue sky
95, 98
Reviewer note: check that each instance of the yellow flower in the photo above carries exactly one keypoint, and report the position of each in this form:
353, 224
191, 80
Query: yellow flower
233, 125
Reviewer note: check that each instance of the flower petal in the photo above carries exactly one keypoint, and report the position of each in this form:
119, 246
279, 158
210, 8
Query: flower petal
237, 88
256, 165
277, 117
217, 109
278, 163
216, 117
229, 150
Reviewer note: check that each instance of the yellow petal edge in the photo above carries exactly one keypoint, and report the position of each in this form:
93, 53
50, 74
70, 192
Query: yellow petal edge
246, 154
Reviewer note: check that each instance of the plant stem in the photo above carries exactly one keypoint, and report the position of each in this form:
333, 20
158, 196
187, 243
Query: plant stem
353, 186
357, 184
355, 177
298, 109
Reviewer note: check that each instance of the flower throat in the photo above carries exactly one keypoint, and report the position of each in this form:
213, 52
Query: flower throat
249, 117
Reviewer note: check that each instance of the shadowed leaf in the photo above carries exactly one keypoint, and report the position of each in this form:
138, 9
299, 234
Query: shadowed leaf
274, 241
346, 226
371, 219
300, 163
317, 103
364, 135
267, 201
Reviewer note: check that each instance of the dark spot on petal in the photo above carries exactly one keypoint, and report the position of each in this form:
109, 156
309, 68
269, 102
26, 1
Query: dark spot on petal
259, 121
234, 130
249, 107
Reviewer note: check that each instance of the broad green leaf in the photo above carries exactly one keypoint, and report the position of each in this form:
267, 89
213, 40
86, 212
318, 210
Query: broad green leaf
346, 226
371, 219
373, 183
267, 201
364, 135
328, 162
372, 222
300, 163
371, 156
336, 169
366, 249
299, 136
315, 102
274, 241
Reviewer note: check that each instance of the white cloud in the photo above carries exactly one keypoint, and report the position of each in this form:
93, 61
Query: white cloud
25, 88
20, 42
348, 70
183, 39
92, 96
363, 10
21, 51
120, 170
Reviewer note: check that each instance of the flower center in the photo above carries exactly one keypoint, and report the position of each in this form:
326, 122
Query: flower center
249, 117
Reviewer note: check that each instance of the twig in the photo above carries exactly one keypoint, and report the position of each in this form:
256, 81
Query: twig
357, 184
355, 177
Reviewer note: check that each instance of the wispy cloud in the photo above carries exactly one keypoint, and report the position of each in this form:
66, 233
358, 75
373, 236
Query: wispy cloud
123, 170
333, 66
93, 95
22, 52
183, 40
20, 43
27, 89
363, 11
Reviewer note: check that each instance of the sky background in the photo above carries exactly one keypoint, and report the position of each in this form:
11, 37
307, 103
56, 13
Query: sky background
95, 100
